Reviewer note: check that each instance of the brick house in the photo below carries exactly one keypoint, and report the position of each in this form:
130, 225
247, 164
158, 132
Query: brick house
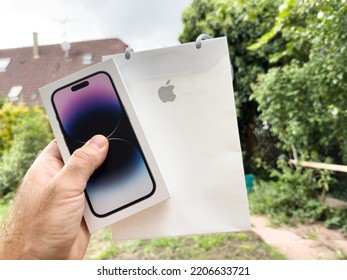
24, 70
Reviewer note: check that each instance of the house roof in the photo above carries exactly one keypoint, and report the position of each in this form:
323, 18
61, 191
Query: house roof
30, 73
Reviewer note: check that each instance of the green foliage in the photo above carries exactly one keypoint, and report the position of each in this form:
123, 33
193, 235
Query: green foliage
245, 245
337, 218
3, 210
339, 190
294, 197
304, 101
30, 133
9, 116
283, 13
304, 104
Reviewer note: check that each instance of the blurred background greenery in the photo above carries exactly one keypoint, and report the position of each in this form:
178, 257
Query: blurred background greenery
289, 58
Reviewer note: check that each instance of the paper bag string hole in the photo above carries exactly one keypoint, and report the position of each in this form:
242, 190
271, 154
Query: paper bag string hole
198, 44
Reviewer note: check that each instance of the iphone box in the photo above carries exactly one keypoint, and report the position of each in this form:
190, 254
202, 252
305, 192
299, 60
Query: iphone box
95, 101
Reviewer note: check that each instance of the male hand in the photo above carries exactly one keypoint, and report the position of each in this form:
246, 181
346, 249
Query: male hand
46, 220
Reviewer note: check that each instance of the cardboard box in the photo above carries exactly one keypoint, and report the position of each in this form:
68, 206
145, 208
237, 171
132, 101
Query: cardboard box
95, 101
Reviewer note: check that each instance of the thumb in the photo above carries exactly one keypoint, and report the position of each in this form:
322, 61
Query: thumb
83, 162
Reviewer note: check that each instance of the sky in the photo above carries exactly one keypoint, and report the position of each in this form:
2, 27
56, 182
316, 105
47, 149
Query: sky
142, 24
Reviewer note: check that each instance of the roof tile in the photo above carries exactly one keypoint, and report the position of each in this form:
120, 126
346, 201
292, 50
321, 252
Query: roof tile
52, 65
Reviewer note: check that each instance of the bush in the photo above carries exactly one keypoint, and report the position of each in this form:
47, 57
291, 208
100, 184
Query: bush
30, 134
337, 219
10, 114
285, 199
296, 196
302, 102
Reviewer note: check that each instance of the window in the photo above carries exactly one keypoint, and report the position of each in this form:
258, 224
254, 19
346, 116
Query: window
14, 93
4, 62
87, 58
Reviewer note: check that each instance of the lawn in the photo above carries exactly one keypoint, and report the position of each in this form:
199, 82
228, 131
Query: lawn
238, 246
241, 246
3, 209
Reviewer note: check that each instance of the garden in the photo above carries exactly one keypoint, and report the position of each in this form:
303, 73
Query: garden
290, 84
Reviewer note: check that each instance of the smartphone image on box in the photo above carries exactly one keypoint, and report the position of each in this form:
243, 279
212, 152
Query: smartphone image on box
92, 106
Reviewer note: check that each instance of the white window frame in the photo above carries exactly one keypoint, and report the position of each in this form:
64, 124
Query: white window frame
4, 62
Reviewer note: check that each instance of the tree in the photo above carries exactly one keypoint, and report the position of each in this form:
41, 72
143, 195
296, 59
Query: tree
304, 102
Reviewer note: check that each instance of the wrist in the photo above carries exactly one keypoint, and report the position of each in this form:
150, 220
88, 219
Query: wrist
14, 245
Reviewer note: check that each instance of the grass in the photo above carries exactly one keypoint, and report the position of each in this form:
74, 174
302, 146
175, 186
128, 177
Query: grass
243, 246
3, 210
312, 235
341, 256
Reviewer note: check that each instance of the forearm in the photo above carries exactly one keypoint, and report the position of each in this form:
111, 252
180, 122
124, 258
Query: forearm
18, 227
14, 244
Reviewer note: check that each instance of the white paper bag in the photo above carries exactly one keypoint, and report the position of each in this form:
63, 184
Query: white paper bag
194, 137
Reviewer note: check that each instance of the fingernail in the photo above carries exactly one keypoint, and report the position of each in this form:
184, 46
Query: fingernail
98, 141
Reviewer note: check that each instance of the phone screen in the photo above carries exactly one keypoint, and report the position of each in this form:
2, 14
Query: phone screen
92, 106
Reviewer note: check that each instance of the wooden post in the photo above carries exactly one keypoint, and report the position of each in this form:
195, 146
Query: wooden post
318, 165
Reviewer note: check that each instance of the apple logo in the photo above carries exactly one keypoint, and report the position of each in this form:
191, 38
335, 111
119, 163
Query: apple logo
166, 93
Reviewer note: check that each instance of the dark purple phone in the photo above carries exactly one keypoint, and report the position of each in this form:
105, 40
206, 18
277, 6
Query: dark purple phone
92, 106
